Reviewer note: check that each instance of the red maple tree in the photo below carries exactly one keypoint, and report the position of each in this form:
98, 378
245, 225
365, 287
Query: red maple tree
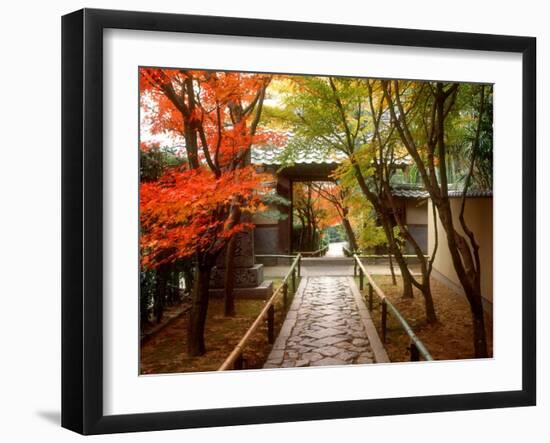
195, 209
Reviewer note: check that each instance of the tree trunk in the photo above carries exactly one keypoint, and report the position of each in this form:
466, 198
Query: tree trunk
480, 337
350, 234
199, 309
302, 233
191, 145
229, 278
431, 316
307, 237
424, 287
394, 250
393, 280
405, 276
381, 210
466, 273
160, 292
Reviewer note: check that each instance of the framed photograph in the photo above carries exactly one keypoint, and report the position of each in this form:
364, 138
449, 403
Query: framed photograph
269, 221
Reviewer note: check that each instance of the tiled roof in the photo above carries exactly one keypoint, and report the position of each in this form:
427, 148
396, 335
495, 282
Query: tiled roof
418, 192
472, 193
410, 193
270, 155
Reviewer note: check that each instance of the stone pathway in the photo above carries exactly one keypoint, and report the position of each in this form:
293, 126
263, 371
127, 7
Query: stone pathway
327, 324
335, 249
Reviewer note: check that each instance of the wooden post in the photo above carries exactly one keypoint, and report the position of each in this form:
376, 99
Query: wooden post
361, 275
239, 362
294, 281
355, 268
415, 354
270, 324
285, 296
300, 267
384, 319
370, 297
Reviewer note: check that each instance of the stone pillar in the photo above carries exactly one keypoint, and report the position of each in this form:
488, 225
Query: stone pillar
249, 277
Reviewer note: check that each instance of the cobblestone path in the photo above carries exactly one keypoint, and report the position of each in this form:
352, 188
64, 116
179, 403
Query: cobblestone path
324, 326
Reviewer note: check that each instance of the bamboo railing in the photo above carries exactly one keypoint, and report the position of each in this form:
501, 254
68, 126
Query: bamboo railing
235, 358
349, 253
375, 256
416, 347
318, 253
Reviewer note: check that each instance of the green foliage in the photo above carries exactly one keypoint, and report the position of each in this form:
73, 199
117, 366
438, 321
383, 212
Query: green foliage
331, 114
272, 200
319, 120
276, 117
460, 130
368, 233
483, 170
154, 160
334, 234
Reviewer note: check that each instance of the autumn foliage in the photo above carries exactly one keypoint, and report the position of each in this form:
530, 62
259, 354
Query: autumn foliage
180, 213
213, 117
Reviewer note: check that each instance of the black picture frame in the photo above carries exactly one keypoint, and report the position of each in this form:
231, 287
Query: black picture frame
82, 218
